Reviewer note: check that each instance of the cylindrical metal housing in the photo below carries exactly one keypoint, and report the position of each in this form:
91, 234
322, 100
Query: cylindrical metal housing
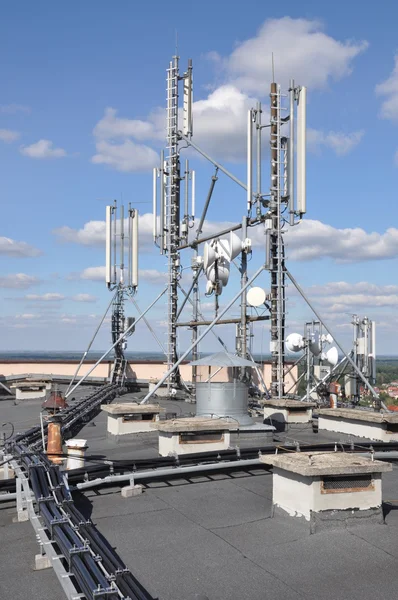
76, 452
54, 441
108, 250
134, 250
221, 399
301, 152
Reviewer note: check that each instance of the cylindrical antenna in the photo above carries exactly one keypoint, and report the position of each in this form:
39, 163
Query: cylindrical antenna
373, 349
134, 250
187, 128
114, 211
193, 194
301, 150
249, 160
162, 203
290, 164
186, 213
122, 244
155, 203
130, 244
108, 246
258, 169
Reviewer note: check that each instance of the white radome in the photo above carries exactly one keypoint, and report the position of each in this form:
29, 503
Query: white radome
294, 342
256, 296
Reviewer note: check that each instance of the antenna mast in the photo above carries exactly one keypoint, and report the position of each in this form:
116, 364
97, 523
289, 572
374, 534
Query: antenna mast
117, 279
172, 216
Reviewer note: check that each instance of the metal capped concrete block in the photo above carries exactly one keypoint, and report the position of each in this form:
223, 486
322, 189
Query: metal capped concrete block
377, 426
191, 435
327, 488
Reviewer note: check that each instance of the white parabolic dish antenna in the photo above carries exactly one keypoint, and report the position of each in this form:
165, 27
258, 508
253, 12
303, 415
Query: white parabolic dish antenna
331, 356
294, 342
209, 256
256, 296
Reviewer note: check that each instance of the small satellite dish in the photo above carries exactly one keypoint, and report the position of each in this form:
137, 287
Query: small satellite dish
331, 356
294, 342
256, 296
209, 255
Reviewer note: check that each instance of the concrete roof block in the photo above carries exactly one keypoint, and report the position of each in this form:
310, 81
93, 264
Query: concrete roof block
309, 464
287, 403
190, 424
128, 408
360, 415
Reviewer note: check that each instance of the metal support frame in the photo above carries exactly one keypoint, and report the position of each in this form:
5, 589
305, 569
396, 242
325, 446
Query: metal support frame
277, 346
202, 335
122, 336
347, 356
172, 215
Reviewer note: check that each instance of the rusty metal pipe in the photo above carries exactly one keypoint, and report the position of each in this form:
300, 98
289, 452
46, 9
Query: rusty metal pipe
54, 441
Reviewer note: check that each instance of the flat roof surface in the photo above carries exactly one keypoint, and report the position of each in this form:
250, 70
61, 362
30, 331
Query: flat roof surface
210, 536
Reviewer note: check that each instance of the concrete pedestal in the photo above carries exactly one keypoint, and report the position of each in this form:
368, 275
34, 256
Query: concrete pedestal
191, 435
128, 417
327, 488
287, 412
382, 427
29, 391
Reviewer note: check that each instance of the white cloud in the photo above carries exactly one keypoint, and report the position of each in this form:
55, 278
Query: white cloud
148, 275
10, 247
93, 232
84, 298
312, 240
112, 127
341, 143
388, 90
345, 287
220, 122
26, 316
125, 157
42, 149
12, 109
152, 276
343, 296
18, 281
93, 274
301, 50
8, 135
49, 297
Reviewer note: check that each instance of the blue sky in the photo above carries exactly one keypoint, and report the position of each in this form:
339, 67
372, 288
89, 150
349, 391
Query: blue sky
65, 154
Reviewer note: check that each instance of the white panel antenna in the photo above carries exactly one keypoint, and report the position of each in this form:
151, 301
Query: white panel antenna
133, 248
155, 204
249, 159
108, 245
187, 128
193, 182
301, 151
